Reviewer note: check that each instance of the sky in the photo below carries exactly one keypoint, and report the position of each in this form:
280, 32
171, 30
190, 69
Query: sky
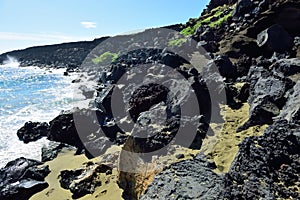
26, 23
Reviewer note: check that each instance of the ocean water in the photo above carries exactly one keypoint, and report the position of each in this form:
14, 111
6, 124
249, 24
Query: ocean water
30, 94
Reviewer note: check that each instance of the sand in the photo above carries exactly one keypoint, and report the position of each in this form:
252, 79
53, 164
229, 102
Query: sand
66, 160
222, 147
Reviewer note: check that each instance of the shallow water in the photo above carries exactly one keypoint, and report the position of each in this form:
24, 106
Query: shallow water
30, 94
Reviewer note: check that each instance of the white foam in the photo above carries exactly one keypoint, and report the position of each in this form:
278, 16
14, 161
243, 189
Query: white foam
64, 96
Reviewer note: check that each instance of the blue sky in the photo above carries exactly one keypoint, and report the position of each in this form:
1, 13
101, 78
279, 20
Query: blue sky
27, 23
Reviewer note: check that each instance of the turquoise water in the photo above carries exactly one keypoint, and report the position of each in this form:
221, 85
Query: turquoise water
29, 94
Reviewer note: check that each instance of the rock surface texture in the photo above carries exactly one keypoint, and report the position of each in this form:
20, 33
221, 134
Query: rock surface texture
22, 178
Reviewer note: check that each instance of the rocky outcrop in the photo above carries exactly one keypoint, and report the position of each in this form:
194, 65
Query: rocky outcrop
150, 110
22, 178
85, 129
267, 96
268, 166
33, 131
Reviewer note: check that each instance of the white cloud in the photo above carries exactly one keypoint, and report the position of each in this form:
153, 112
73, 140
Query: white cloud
88, 24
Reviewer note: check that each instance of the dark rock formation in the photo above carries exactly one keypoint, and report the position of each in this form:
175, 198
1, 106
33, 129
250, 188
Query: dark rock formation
291, 110
287, 67
22, 178
85, 129
63, 129
244, 93
268, 166
51, 150
267, 96
190, 179
242, 7
269, 39
83, 181
33, 131
225, 67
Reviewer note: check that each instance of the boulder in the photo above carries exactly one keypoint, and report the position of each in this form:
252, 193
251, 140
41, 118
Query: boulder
273, 86
207, 35
268, 39
83, 181
225, 67
244, 93
63, 129
266, 96
267, 167
51, 150
243, 65
33, 131
172, 60
22, 178
189, 179
262, 111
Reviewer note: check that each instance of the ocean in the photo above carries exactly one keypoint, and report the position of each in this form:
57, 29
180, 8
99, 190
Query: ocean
31, 94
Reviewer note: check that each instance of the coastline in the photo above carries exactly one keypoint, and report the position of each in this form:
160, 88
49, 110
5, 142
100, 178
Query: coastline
228, 131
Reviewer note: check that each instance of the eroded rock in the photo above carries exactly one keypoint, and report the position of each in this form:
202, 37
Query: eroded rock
267, 166
83, 181
33, 131
22, 178
189, 179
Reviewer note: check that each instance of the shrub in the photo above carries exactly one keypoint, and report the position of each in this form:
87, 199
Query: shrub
106, 58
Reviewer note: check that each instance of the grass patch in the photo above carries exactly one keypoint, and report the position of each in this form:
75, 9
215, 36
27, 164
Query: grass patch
177, 42
106, 58
220, 21
212, 19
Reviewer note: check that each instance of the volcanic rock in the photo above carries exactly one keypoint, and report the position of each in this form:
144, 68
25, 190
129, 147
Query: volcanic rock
22, 178
33, 131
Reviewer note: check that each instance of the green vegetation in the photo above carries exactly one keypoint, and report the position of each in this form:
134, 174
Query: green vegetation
212, 19
177, 42
220, 21
106, 58
190, 29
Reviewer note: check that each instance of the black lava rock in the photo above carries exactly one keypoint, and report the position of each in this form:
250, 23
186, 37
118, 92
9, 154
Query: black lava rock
287, 67
51, 150
267, 96
268, 39
291, 110
242, 7
22, 178
267, 167
33, 131
83, 181
189, 179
